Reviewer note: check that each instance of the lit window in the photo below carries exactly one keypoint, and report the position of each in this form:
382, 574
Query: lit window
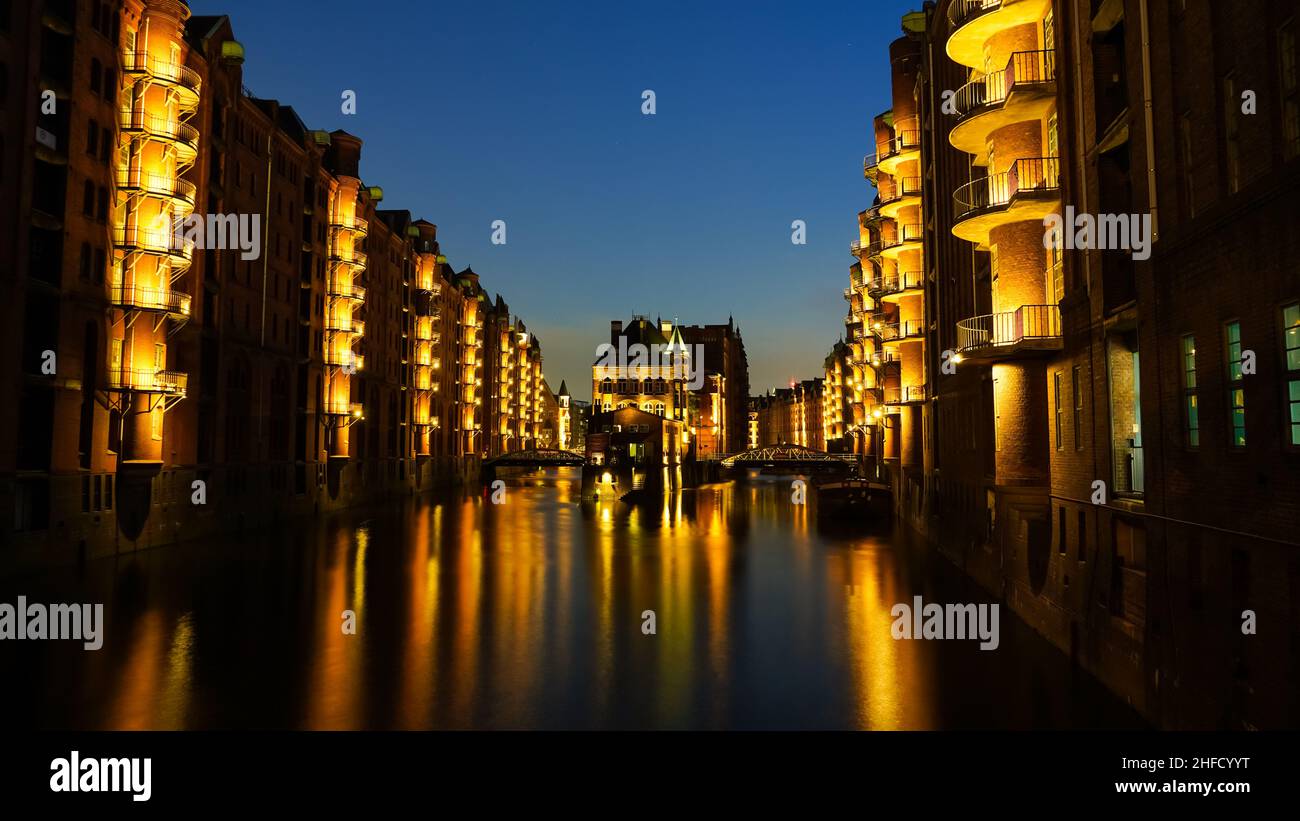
1192, 409
1056, 380
1236, 390
1291, 340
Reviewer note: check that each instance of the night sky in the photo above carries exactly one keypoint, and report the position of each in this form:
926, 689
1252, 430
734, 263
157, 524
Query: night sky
531, 113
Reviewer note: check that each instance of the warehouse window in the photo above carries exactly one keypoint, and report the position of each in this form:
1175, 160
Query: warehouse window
1291, 342
1236, 387
1191, 408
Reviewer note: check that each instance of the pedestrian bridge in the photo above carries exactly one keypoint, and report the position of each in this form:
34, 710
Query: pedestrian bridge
788, 456
538, 457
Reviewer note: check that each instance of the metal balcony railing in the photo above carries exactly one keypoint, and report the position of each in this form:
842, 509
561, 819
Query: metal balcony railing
176, 132
903, 281
341, 325
356, 225
344, 289
140, 62
910, 329
344, 357
1009, 328
150, 299
160, 185
1029, 175
1024, 68
962, 12
335, 407
148, 381
905, 394
906, 137
914, 232
882, 359
899, 189
153, 240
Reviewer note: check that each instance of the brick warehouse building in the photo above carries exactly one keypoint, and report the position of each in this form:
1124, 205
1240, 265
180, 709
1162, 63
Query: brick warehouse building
1173, 380
338, 360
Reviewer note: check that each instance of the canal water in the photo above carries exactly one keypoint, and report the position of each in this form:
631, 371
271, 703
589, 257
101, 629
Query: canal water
529, 614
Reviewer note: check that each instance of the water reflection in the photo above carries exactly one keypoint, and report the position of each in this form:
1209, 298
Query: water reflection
530, 614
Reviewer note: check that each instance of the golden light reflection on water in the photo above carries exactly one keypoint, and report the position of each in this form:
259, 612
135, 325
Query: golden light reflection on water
529, 614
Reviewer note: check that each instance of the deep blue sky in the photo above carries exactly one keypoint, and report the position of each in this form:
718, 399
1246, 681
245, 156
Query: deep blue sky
530, 112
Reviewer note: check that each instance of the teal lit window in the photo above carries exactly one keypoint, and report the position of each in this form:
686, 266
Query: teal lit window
1236, 391
1192, 418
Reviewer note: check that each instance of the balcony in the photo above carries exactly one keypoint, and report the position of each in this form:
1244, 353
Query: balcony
334, 407
186, 82
897, 332
157, 242
867, 247
906, 395
904, 146
1028, 330
905, 283
1028, 192
900, 193
1022, 91
134, 298
158, 185
343, 289
973, 22
351, 258
181, 136
423, 377
344, 325
356, 225
344, 358
883, 359
171, 383
906, 238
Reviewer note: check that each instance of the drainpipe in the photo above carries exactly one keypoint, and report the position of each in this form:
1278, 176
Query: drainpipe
1147, 112
266, 256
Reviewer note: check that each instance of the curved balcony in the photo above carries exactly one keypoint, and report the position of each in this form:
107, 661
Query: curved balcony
908, 238
356, 225
422, 377
342, 289
1029, 191
1022, 91
905, 283
424, 331
883, 359
868, 247
175, 304
343, 358
1030, 329
172, 383
973, 22
183, 137
904, 146
905, 395
344, 325
156, 242
347, 265
178, 190
902, 192
898, 332
335, 407
185, 81
871, 167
